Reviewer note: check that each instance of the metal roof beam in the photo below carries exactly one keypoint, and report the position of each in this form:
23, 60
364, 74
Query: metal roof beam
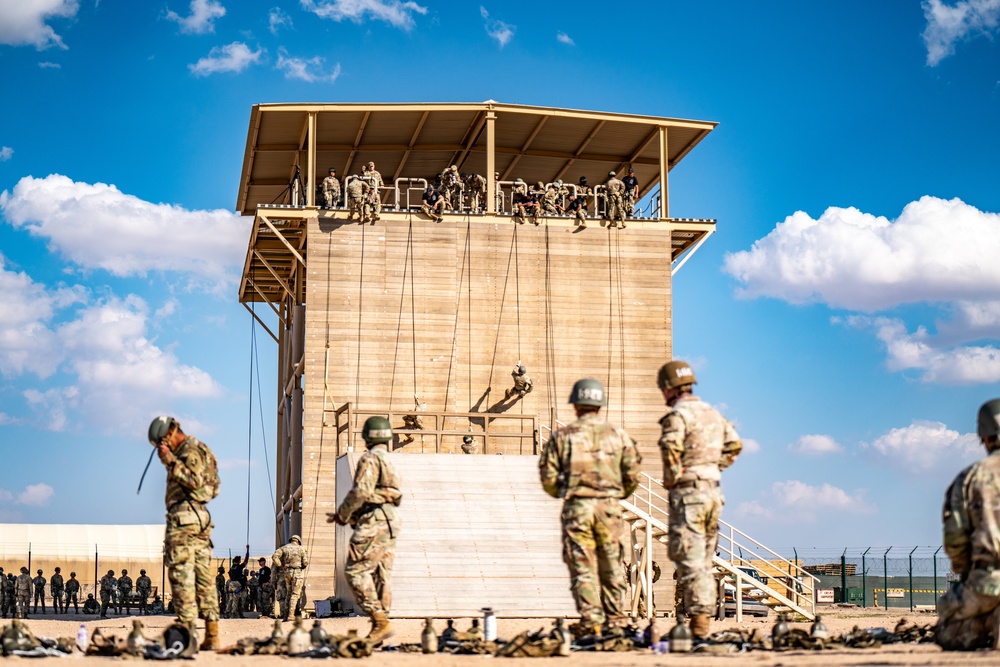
579, 150
519, 153
357, 142
471, 135
409, 147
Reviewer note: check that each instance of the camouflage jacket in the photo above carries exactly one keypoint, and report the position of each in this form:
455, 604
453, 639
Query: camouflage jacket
331, 185
143, 585
23, 584
476, 184
374, 179
357, 188
696, 442
590, 458
291, 556
971, 518
615, 187
108, 583
39, 583
125, 584
56, 583
192, 480
220, 582
376, 485
72, 585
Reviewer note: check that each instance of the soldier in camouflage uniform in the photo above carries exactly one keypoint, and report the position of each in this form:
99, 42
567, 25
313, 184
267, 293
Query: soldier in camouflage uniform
9, 586
233, 590
614, 190
143, 586
551, 198
592, 465
280, 593
475, 189
370, 509
357, 194
696, 443
192, 481
522, 383
253, 600
56, 588
293, 560
72, 594
266, 598
125, 593
220, 587
107, 588
631, 184
331, 190
374, 199
969, 613
23, 592
38, 583
469, 445
451, 188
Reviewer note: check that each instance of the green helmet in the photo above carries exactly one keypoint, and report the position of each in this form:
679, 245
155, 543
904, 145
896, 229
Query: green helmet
295, 538
675, 374
377, 430
159, 428
588, 392
467, 439
988, 423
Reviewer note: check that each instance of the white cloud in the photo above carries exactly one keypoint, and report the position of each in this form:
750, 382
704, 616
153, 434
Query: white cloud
202, 17
48, 65
393, 12
278, 19
99, 227
563, 38
310, 70
497, 29
6, 153
815, 445
949, 24
24, 22
750, 446
234, 57
925, 446
794, 501
33, 495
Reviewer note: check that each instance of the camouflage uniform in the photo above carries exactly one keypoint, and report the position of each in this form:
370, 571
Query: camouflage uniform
522, 383
233, 591
696, 443
108, 584
357, 192
370, 509
72, 594
39, 584
90, 605
125, 593
614, 191
3, 593
631, 184
475, 188
374, 199
593, 465
266, 599
9, 585
293, 560
451, 185
253, 601
969, 612
192, 481
331, 191
56, 588
280, 593
23, 591
143, 586
577, 208
550, 201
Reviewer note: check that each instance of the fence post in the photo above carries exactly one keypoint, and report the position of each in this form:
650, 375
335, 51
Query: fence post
843, 577
95, 570
911, 576
29, 557
935, 573
864, 579
885, 576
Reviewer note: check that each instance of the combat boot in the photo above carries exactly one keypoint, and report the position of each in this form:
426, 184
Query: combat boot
700, 625
211, 641
381, 628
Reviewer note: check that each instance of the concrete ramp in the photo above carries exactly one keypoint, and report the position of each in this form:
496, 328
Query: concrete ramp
478, 531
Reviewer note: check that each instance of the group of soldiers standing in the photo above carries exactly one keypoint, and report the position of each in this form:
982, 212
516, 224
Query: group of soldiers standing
117, 593
272, 593
18, 593
363, 193
615, 202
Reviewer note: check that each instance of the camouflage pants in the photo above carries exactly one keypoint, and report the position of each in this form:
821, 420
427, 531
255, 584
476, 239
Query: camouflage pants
233, 607
143, 602
23, 600
72, 598
693, 538
356, 205
369, 563
294, 577
40, 597
592, 549
105, 602
189, 566
57, 600
967, 619
616, 208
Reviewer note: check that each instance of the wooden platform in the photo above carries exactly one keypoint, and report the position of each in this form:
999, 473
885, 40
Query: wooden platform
477, 531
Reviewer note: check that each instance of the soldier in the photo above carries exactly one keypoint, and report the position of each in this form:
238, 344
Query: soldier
293, 560
370, 509
451, 185
469, 445
583, 190
125, 593
969, 612
696, 444
236, 568
192, 481
10, 589
264, 572
614, 190
108, 586
143, 586
90, 605
593, 465
357, 193
331, 190
551, 198
253, 599
23, 591
72, 594
432, 204
233, 590
631, 184
522, 383
374, 198
411, 422
220, 586
39, 585
475, 188
518, 198
280, 593
3, 593
578, 209
56, 588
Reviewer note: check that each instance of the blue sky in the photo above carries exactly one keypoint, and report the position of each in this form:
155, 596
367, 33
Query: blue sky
846, 315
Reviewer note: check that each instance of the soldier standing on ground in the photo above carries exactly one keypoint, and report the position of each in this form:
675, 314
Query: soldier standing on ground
696, 444
593, 465
220, 587
331, 189
192, 481
72, 594
969, 612
9, 585
108, 584
370, 509
614, 191
39, 585
56, 587
143, 586
23, 591
293, 560
125, 593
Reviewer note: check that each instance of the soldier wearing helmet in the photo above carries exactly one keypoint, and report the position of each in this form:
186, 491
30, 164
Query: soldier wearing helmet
696, 443
331, 189
469, 445
614, 193
293, 560
592, 465
39, 585
72, 593
56, 587
125, 593
192, 481
968, 614
357, 195
522, 383
23, 592
144, 587
374, 197
370, 509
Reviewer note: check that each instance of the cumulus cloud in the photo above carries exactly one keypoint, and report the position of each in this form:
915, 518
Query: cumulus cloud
563, 38
6, 153
234, 57
278, 19
96, 226
815, 445
925, 446
500, 31
202, 17
33, 495
25, 22
395, 13
48, 65
794, 501
950, 24
310, 70
750, 446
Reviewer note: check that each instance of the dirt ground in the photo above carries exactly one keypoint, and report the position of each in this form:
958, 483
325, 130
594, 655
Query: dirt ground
408, 631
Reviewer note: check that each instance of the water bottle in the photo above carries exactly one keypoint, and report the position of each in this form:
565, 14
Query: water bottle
818, 629
82, 640
318, 636
489, 624
680, 637
298, 639
428, 639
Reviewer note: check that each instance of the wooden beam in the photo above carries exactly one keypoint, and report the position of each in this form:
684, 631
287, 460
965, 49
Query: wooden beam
311, 162
519, 153
274, 273
261, 323
409, 147
281, 236
491, 161
664, 169
580, 149
634, 157
471, 135
357, 142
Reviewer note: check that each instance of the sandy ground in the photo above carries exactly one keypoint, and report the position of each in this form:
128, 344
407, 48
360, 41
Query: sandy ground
408, 630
